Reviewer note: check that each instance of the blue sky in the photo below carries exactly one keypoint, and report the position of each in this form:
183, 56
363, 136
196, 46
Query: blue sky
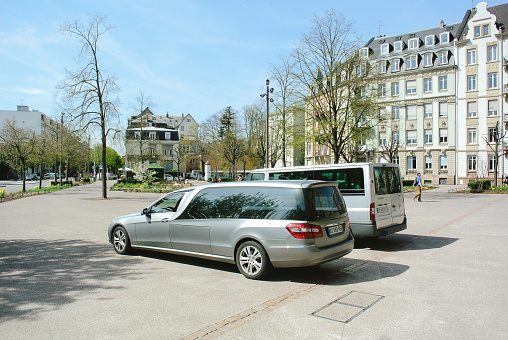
194, 57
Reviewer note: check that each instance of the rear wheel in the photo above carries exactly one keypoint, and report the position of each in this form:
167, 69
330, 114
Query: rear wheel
121, 241
252, 260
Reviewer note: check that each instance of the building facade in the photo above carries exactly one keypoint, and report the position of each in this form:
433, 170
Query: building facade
482, 69
156, 139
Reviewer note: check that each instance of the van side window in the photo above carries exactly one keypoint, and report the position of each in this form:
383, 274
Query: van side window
256, 177
246, 203
350, 180
290, 175
387, 180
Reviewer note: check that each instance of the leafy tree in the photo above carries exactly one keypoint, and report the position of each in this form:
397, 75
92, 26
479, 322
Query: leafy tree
232, 144
17, 146
113, 159
88, 93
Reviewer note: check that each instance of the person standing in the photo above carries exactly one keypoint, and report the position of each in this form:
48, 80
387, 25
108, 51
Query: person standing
418, 184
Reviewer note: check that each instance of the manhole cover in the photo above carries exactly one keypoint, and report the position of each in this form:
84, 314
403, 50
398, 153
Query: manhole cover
348, 306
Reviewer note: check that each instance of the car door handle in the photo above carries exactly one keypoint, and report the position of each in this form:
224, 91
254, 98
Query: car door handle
164, 220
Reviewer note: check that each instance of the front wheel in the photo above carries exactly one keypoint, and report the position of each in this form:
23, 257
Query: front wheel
121, 241
252, 260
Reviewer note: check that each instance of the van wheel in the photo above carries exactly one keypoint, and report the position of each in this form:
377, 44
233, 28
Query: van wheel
252, 260
121, 241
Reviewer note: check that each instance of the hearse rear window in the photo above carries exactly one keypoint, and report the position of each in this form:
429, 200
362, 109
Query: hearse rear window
246, 203
324, 202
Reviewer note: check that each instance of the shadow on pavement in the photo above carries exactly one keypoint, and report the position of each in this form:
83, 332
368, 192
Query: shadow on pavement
38, 275
403, 242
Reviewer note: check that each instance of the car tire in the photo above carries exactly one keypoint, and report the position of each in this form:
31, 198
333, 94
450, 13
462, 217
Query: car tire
121, 241
252, 260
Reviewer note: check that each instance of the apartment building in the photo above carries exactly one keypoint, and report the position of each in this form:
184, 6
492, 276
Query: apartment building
153, 138
481, 67
417, 90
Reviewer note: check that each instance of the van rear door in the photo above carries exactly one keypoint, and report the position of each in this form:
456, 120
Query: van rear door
389, 197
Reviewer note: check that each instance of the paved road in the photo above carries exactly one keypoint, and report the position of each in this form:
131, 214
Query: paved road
444, 277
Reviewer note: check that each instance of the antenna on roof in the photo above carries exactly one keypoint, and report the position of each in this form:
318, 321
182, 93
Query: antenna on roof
379, 26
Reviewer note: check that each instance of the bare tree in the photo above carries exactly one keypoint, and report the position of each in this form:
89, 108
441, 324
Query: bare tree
254, 125
178, 155
89, 92
493, 140
336, 83
390, 149
17, 146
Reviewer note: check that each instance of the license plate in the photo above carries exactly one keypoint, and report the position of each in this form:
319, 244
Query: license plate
334, 230
382, 210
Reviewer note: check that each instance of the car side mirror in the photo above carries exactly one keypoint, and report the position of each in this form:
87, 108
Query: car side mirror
146, 212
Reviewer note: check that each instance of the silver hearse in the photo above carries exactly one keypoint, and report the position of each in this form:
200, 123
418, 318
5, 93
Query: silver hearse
257, 225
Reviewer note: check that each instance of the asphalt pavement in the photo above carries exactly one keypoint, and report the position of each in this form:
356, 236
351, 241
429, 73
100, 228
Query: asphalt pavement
443, 277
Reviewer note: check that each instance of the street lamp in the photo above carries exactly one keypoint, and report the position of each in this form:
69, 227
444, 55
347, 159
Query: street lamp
268, 101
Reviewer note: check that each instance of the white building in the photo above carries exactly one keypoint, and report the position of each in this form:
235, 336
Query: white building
482, 68
24, 118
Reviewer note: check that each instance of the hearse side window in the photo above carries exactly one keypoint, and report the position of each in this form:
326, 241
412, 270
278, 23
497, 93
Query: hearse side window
246, 203
290, 175
387, 180
166, 204
350, 180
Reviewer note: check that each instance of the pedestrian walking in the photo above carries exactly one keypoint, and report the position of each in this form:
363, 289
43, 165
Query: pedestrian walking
418, 185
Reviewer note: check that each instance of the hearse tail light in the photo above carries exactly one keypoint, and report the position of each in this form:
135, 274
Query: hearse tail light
372, 211
304, 230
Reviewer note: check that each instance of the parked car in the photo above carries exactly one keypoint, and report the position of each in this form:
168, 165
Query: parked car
32, 177
50, 175
168, 177
255, 225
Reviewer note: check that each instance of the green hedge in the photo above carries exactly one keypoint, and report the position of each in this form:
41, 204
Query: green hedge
479, 186
128, 180
408, 182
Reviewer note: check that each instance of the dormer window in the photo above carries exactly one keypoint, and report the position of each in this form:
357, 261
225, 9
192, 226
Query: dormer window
411, 62
429, 40
364, 52
427, 60
413, 43
443, 58
398, 46
444, 37
382, 67
395, 65
385, 49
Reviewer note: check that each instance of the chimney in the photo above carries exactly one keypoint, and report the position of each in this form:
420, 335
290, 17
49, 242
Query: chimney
167, 115
23, 108
182, 116
442, 23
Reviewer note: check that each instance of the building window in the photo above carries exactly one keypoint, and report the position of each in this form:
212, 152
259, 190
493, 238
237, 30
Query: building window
413, 43
428, 163
443, 135
427, 109
443, 58
382, 67
364, 52
428, 136
492, 80
486, 30
411, 87
396, 65
443, 162
471, 83
471, 110
444, 37
382, 90
492, 163
137, 134
492, 108
384, 49
182, 128
151, 135
395, 137
398, 46
443, 83
167, 135
492, 135
152, 151
382, 138
443, 109
427, 84
165, 152
429, 40
411, 163
410, 112
471, 136
427, 60
396, 160
411, 62
192, 161
395, 89
471, 56
471, 163
492, 53
395, 112
411, 137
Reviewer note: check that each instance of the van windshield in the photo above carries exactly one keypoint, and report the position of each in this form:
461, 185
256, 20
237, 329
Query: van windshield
324, 202
387, 180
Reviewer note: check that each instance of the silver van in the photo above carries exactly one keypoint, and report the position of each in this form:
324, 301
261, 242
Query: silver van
373, 192
257, 225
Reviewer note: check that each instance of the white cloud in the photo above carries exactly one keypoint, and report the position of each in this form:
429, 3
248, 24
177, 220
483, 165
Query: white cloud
32, 91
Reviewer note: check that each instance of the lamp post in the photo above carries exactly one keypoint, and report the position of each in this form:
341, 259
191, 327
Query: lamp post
268, 101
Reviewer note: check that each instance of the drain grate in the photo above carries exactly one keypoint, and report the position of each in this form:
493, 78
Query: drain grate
348, 306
